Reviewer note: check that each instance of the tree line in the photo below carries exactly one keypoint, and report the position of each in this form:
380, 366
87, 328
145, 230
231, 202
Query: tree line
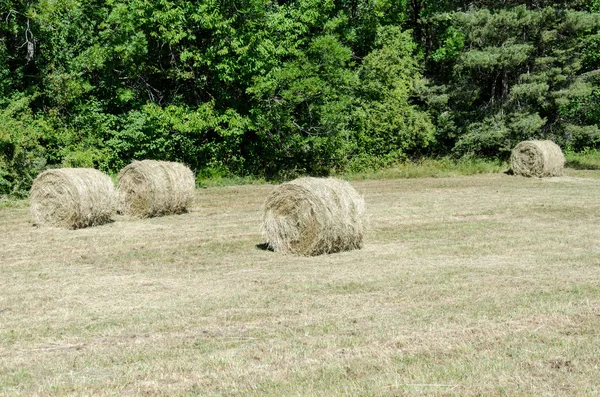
277, 88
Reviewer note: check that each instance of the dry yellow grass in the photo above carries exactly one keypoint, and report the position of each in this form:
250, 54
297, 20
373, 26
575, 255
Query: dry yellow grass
484, 285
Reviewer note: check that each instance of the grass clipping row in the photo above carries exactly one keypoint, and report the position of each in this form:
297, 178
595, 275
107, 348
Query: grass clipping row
72, 198
151, 188
313, 216
537, 158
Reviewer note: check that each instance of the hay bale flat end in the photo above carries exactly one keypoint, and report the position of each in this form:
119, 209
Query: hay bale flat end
313, 216
72, 198
537, 159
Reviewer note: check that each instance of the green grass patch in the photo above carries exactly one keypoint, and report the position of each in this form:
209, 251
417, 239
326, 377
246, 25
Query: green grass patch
7, 201
206, 182
424, 168
213, 177
586, 160
433, 168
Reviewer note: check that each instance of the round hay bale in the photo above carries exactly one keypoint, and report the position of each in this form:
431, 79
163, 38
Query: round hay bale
72, 198
313, 216
537, 158
154, 188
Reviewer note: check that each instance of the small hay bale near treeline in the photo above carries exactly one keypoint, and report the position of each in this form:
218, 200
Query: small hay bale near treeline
151, 188
537, 158
312, 216
72, 198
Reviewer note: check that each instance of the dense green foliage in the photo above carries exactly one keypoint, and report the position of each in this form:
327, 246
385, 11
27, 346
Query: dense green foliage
279, 88
515, 74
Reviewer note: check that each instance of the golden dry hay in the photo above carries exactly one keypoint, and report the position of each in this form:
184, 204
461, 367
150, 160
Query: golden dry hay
537, 158
313, 216
72, 198
153, 188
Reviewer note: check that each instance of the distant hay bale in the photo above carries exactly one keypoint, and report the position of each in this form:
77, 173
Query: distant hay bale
72, 198
537, 158
313, 216
154, 188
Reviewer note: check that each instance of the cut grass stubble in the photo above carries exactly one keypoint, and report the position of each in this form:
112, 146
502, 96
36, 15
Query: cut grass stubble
484, 285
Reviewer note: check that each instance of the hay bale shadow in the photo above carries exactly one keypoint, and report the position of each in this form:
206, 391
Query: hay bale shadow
264, 247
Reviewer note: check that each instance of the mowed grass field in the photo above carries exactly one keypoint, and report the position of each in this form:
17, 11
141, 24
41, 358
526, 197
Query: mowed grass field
480, 285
